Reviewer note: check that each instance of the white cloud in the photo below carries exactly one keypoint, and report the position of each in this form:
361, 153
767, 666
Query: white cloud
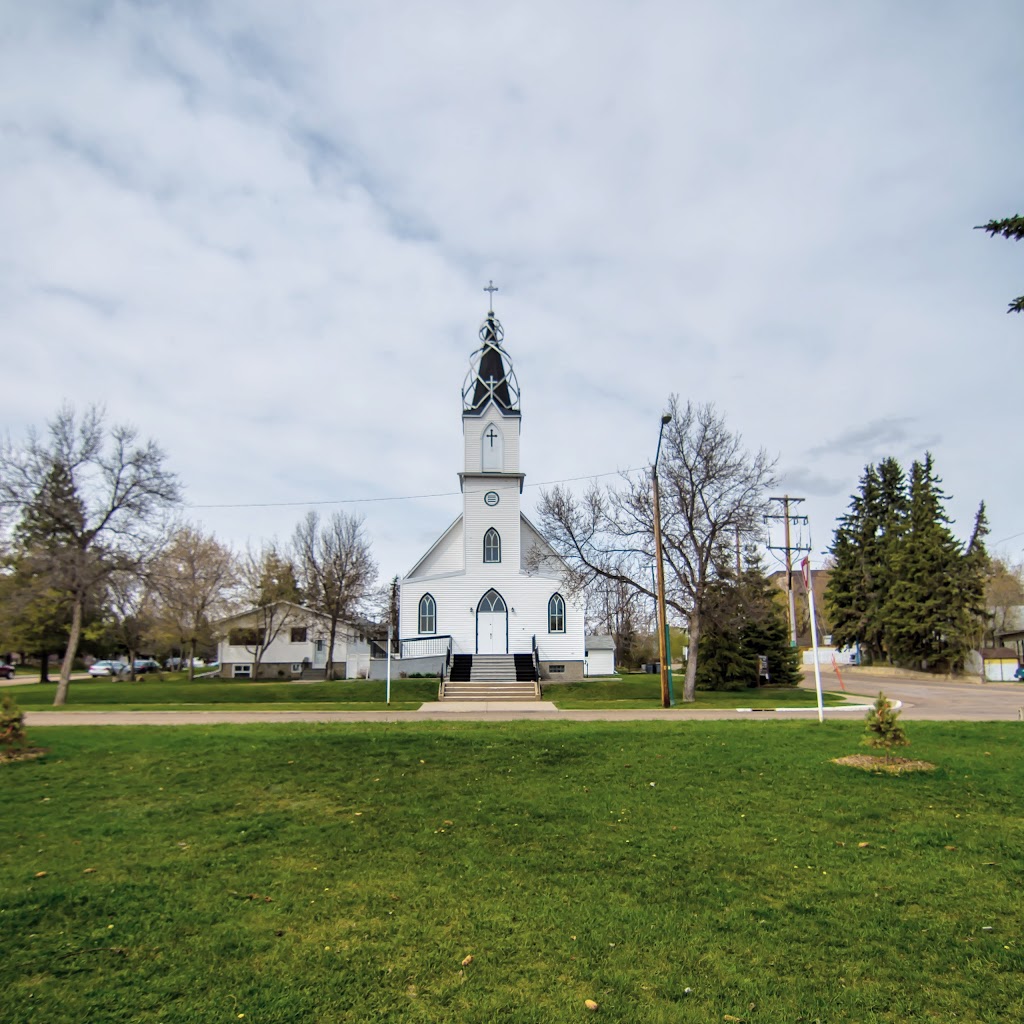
259, 231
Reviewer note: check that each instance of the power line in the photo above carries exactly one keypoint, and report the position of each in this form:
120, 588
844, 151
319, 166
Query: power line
404, 497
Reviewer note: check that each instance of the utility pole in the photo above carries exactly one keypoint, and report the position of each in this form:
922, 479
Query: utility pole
789, 551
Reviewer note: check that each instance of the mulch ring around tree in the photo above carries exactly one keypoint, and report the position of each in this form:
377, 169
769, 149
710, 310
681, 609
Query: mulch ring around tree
12, 755
894, 766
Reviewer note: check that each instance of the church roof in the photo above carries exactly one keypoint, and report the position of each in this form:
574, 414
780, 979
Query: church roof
491, 377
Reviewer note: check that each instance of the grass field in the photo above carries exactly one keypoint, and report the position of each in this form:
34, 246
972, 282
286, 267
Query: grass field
290, 873
173, 691
644, 691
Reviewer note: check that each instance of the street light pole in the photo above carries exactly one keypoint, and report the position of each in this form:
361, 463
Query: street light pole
664, 648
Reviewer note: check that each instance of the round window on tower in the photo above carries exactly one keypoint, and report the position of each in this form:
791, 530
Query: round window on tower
491, 498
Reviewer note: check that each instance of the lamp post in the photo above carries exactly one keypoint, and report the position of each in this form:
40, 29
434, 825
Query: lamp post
664, 644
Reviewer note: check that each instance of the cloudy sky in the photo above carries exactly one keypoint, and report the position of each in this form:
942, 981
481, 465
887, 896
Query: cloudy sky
259, 231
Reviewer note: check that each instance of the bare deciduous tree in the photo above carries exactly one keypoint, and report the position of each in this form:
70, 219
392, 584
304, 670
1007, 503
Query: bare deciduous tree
192, 578
87, 501
711, 487
130, 606
335, 568
1004, 594
270, 591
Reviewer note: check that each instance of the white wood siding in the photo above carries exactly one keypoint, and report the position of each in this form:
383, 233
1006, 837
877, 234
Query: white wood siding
446, 555
457, 596
474, 428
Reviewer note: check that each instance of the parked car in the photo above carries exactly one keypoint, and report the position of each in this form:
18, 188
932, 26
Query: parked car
107, 668
175, 663
144, 665
7, 671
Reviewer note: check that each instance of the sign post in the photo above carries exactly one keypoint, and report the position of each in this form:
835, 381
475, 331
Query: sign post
387, 687
805, 568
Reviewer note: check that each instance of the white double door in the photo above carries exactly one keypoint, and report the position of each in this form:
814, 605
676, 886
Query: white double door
492, 633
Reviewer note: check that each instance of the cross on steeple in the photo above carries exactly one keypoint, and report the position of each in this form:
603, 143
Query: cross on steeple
492, 436
492, 289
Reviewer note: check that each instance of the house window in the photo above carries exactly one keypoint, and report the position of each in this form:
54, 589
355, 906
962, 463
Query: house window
492, 546
298, 634
428, 614
242, 671
245, 638
556, 614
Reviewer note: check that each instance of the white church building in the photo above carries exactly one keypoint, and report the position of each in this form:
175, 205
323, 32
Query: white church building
491, 587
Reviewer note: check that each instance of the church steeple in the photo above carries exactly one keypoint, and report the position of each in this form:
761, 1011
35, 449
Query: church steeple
490, 377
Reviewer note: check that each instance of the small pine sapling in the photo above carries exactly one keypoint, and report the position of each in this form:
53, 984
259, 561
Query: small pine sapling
12, 725
883, 731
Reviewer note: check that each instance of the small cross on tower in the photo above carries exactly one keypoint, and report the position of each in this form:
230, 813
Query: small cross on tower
492, 289
492, 436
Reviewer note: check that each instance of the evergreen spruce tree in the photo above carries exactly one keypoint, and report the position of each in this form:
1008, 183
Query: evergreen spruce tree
926, 610
976, 569
883, 731
863, 548
745, 619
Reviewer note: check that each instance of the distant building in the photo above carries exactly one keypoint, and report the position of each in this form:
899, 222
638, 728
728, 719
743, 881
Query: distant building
600, 655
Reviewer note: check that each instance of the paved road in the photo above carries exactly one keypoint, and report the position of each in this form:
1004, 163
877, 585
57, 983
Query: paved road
936, 700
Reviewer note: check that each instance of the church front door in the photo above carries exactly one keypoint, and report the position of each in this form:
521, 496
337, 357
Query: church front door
491, 624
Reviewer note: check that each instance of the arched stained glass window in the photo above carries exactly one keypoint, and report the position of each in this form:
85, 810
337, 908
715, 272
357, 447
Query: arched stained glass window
556, 614
428, 614
492, 546
491, 602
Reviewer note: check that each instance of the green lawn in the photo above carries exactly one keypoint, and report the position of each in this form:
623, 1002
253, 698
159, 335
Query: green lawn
644, 691
174, 692
343, 872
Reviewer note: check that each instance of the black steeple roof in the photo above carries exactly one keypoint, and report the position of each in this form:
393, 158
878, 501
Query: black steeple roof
491, 377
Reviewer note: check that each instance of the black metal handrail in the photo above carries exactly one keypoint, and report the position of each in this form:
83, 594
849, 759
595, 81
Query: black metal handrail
425, 646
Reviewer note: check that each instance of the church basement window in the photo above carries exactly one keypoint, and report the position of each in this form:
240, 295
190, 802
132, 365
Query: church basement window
427, 614
492, 546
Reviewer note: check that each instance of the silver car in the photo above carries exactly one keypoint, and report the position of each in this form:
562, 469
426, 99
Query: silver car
107, 668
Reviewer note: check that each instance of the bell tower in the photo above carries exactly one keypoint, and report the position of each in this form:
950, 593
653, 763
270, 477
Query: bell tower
491, 480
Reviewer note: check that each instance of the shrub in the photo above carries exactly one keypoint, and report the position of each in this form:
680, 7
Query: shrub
883, 731
12, 725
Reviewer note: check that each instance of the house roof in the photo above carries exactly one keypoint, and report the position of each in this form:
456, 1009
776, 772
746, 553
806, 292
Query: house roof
311, 613
998, 654
600, 642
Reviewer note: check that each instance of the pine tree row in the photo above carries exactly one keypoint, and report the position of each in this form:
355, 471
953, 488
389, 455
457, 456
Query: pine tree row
902, 586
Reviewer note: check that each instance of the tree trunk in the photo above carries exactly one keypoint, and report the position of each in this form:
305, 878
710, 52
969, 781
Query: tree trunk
131, 664
69, 655
191, 658
329, 667
690, 687
44, 667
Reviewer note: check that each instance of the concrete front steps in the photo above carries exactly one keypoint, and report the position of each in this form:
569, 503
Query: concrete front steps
490, 677
490, 691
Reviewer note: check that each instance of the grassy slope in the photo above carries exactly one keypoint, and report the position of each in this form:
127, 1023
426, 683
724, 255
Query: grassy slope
644, 691
150, 692
390, 852
174, 691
